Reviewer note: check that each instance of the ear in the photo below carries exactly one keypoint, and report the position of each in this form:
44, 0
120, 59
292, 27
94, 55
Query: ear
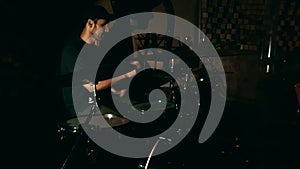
90, 24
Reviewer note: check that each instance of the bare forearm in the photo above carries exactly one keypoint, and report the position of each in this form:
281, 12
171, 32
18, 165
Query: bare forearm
108, 82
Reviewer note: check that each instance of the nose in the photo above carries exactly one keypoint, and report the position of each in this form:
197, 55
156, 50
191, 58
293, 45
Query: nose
106, 28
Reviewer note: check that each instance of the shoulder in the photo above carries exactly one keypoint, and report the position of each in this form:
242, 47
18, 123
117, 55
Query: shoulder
72, 48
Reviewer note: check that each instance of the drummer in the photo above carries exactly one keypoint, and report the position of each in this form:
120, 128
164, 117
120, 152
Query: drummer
94, 22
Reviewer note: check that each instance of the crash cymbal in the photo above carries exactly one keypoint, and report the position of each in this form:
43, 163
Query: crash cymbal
157, 106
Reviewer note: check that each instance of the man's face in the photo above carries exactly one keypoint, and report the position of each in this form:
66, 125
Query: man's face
100, 28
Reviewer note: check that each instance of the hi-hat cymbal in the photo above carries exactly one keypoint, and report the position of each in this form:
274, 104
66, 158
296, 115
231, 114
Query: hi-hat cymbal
99, 121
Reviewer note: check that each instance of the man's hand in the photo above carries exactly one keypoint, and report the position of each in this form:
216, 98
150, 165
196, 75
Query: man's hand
89, 87
121, 92
130, 74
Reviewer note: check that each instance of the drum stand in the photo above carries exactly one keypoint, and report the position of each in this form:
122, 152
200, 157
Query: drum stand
146, 166
94, 106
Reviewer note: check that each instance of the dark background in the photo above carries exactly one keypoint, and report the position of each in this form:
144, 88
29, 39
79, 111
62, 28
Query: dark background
32, 37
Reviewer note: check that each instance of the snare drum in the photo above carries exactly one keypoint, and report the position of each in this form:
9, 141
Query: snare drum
71, 132
100, 120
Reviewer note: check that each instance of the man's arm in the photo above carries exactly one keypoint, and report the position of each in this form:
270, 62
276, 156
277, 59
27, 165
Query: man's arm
103, 84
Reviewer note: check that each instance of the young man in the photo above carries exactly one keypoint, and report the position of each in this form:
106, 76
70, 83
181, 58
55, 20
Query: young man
94, 26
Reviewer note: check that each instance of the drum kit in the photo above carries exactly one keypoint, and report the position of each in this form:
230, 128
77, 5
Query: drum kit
93, 120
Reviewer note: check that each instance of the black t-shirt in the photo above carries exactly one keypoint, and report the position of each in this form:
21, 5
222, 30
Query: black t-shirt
69, 59
105, 70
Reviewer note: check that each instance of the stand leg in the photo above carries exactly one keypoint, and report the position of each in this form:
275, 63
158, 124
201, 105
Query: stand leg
76, 142
90, 151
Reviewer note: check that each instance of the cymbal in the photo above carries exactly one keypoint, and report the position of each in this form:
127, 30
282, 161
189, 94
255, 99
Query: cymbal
99, 121
156, 106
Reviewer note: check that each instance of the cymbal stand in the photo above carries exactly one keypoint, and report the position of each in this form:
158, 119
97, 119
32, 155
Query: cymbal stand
146, 166
172, 87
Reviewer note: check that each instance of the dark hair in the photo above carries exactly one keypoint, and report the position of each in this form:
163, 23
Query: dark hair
87, 11
95, 12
